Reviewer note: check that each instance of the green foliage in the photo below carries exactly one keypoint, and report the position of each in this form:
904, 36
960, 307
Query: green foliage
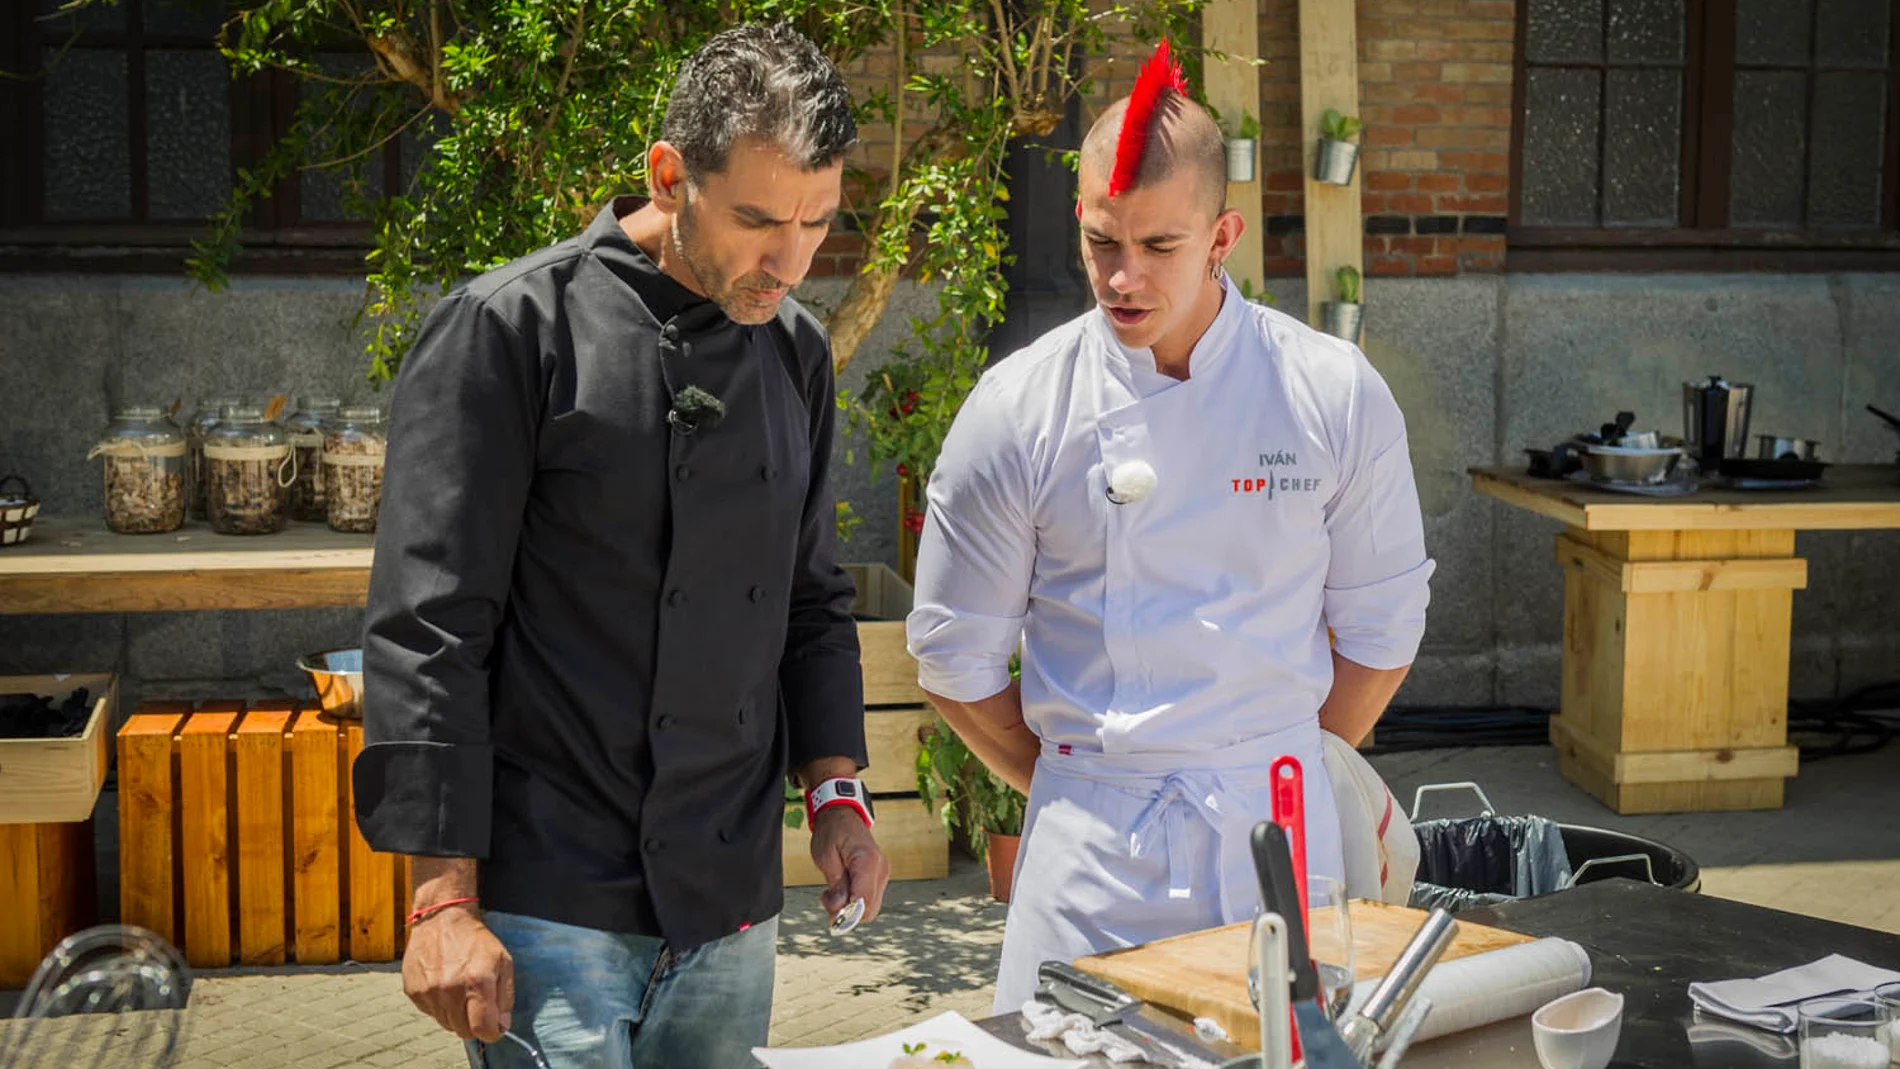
980, 803
794, 805
1340, 127
1346, 279
1249, 127
1257, 296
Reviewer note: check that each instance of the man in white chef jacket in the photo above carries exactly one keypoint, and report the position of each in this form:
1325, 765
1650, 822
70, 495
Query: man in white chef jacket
1167, 502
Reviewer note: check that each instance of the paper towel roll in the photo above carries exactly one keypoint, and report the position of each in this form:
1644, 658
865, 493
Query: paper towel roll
1496, 985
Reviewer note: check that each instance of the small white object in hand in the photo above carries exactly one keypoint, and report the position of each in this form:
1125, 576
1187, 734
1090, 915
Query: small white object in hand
1838, 1051
1131, 481
848, 917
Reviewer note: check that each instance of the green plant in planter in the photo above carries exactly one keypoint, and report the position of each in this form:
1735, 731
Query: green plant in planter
1340, 127
979, 803
1249, 127
1346, 280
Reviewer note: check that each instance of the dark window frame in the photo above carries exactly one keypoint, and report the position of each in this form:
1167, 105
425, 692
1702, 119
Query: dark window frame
1705, 242
275, 239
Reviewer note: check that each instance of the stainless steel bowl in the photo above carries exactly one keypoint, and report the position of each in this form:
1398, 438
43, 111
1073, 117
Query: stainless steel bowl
338, 677
1774, 447
1638, 466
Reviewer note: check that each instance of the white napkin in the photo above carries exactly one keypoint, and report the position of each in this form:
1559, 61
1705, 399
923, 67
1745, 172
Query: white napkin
1769, 1002
1045, 1022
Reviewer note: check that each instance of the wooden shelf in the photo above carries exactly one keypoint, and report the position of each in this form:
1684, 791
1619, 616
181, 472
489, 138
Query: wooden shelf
1851, 497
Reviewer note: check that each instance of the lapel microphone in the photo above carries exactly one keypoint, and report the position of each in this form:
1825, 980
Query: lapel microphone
694, 408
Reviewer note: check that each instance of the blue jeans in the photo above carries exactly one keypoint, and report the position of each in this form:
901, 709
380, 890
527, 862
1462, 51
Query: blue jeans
600, 1000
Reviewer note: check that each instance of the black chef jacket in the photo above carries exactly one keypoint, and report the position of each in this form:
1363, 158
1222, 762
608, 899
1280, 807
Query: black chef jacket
596, 639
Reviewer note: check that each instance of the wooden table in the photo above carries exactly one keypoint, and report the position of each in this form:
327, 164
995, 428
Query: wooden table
73, 564
1677, 618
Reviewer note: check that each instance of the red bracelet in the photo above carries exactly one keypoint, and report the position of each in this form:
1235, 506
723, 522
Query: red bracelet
426, 912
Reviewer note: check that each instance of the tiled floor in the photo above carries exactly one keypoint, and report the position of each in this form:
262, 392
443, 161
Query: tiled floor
1834, 851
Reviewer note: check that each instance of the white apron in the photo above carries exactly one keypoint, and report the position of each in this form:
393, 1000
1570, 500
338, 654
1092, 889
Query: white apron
1216, 658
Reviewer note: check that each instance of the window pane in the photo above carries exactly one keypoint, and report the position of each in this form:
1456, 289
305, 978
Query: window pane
88, 145
1646, 31
1561, 109
1642, 147
324, 191
95, 16
1844, 172
1563, 31
185, 18
188, 133
1853, 33
1771, 128
1773, 33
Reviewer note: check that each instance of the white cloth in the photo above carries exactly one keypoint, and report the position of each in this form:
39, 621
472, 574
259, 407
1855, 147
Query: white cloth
1043, 1022
1379, 848
1173, 645
1769, 1001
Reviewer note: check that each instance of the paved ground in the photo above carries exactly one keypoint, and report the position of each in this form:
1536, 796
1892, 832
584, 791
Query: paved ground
1834, 851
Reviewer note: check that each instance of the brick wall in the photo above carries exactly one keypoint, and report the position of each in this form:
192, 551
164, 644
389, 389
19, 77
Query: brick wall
1435, 95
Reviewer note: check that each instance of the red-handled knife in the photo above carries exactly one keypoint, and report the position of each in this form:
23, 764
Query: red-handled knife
1289, 812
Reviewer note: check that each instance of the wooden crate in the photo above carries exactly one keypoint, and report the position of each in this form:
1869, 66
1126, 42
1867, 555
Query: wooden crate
47, 892
890, 672
911, 836
238, 842
44, 781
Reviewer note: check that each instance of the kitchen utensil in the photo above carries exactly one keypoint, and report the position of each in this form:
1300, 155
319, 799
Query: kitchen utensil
1579, 1030
1381, 1012
1555, 462
1612, 433
1276, 979
1109, 1007
1774, 447
1273, 866
1640, 466
1289, 812
338, 677
534, 1052
848, 917
1776, 470
1715, 418
1400, 1039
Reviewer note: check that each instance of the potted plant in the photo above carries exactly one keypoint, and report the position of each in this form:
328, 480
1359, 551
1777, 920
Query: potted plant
1343, 317
988, 811
1243, 149
1338, 153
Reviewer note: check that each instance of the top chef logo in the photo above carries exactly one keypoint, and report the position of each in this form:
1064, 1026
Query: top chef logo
1274, 482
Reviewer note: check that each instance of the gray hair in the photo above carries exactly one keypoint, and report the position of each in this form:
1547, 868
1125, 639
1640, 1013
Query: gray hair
767, 82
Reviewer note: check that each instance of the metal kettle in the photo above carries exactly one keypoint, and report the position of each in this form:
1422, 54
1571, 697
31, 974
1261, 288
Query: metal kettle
1715, 419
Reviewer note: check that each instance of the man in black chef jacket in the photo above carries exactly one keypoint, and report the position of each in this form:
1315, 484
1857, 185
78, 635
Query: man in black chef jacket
605, 618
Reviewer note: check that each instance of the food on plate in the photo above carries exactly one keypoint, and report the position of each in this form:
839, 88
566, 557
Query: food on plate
924, 1056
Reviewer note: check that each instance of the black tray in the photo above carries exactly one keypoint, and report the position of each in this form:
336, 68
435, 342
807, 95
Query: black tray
1777, 470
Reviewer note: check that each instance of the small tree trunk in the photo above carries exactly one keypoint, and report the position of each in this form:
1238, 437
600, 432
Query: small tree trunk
862, 307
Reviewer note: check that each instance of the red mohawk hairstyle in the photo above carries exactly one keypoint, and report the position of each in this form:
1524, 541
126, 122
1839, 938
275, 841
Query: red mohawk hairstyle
1160, 74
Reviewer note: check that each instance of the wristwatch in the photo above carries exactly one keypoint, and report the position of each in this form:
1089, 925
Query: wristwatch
839, 790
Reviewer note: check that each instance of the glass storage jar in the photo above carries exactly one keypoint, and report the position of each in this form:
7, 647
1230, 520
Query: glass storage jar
353, 447
248, 469
196, 428
144, 471
305, 427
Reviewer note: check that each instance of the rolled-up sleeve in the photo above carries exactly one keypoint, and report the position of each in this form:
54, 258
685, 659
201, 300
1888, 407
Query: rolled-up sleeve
818, 674
977, 554
1378, 580
461, 456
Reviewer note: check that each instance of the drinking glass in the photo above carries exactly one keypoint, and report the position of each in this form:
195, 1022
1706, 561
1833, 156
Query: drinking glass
1844, 1033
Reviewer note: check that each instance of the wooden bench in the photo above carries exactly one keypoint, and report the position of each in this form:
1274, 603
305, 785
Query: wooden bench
237, 840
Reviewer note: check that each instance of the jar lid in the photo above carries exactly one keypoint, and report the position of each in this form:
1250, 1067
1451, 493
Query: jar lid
138, 412
238, 412
318, 404
361, 412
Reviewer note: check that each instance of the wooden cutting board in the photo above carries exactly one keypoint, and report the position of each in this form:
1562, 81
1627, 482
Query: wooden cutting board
1204, 974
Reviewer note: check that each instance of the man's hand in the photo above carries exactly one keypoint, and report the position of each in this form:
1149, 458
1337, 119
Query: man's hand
848, 857
454, 969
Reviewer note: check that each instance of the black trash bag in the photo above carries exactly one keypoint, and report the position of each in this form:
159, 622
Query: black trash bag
1482, 861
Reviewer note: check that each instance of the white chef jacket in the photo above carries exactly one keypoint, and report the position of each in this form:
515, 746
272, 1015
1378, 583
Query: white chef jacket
1172, 645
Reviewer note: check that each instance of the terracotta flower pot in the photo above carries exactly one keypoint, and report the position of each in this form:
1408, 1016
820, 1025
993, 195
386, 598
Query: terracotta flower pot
1002, 863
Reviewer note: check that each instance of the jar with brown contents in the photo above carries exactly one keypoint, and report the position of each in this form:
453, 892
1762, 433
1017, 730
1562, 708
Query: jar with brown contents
305, 428
144, 471
196, 428
248, 470
353, 447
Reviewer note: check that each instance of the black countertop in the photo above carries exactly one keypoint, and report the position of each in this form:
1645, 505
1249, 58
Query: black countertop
1648, 943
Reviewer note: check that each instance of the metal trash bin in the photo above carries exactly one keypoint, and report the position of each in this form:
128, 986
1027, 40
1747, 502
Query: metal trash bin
1488, 859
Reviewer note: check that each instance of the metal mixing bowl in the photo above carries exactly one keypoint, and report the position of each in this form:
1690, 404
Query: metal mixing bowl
1775, 447
338, 677
1639, 466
